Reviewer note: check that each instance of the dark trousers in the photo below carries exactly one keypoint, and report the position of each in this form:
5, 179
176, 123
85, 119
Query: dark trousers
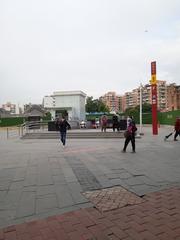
128, 139
63, 137
176, 134
115, 125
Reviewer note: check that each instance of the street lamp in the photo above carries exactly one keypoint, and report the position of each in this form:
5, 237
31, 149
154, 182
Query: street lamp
140, 111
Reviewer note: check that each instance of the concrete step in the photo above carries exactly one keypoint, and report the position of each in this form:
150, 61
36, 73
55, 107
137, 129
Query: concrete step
79, 135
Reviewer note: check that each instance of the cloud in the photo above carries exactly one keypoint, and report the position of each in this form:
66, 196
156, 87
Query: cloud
94, 46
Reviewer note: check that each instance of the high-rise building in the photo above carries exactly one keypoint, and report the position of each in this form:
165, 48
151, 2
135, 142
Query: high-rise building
173, 97
146, 94
161, 95
111, 99
129, 103
132, 99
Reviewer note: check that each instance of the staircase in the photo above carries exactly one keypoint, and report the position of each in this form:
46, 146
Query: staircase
74, 134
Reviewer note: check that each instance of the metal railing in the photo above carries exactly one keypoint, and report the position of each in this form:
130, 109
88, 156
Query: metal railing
12, 132
27, 127
34, 126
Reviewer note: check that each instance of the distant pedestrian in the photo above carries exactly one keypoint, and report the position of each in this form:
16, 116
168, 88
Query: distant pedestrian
63, 125
103, 123
177, 128
130, 136
115, 122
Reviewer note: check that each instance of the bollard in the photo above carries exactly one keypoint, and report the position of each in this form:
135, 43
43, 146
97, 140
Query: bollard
7, 133
22, 131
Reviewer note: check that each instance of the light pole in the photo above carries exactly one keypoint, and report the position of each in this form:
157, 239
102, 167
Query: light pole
140, 111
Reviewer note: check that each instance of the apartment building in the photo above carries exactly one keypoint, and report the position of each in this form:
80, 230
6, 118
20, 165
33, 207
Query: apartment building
168, 97
111, 99
161, 95
146, 94
173, 97
129, 100
132, 99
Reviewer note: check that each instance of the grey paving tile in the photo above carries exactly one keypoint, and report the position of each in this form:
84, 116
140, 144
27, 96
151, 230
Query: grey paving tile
44, 190
26, 206
64, 196
12, 198
30, 180
2, 194
75, 190
4, 185
7, 173
19, 174
60, 179
45, 203
29, 189
16, 185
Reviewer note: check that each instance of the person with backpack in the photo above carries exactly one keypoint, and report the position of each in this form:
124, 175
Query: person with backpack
63, 125
130, 136
103, 123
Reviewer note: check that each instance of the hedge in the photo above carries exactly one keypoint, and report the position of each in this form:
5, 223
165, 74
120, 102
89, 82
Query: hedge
13, 121
164, 118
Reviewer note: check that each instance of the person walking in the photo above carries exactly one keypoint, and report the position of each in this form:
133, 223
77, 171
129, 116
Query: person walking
115, 122
63, 125
103, 123
177, 128
130, 136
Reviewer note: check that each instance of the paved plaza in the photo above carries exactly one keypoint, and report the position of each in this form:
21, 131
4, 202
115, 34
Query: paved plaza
39, 180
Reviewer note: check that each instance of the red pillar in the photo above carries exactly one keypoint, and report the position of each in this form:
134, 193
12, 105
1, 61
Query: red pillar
154, 110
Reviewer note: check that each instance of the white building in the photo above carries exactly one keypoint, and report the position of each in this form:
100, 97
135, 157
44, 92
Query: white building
71, 102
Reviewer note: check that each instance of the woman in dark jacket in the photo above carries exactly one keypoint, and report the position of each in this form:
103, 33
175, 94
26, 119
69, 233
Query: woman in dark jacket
63, 125
130, 136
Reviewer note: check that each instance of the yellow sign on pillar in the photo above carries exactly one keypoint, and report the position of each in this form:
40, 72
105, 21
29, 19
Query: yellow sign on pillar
153, 79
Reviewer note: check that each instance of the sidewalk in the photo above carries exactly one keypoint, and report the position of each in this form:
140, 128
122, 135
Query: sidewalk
157, 217
88, 182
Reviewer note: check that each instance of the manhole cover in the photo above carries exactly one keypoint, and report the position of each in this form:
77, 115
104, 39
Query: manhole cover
108, 199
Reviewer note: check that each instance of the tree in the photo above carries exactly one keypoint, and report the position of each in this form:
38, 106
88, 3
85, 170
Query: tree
130, 111
146, 107
95, 105
90, 105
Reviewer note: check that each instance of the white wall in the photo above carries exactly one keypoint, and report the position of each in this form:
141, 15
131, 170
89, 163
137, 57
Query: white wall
48, 102
74, 104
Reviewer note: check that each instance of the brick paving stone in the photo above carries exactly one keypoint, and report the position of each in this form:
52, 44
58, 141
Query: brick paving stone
112, 198
145, 221
1, 234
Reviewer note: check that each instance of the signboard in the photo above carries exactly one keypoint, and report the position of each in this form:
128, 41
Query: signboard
153, 73
153, 68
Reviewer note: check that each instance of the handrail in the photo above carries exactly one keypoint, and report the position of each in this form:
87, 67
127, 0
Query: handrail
32, 126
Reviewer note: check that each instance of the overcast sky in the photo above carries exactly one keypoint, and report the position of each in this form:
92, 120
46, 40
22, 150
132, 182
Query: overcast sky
90, 45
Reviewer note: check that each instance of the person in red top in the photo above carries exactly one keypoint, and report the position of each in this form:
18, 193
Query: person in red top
177, 128
103, 123
131, 130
